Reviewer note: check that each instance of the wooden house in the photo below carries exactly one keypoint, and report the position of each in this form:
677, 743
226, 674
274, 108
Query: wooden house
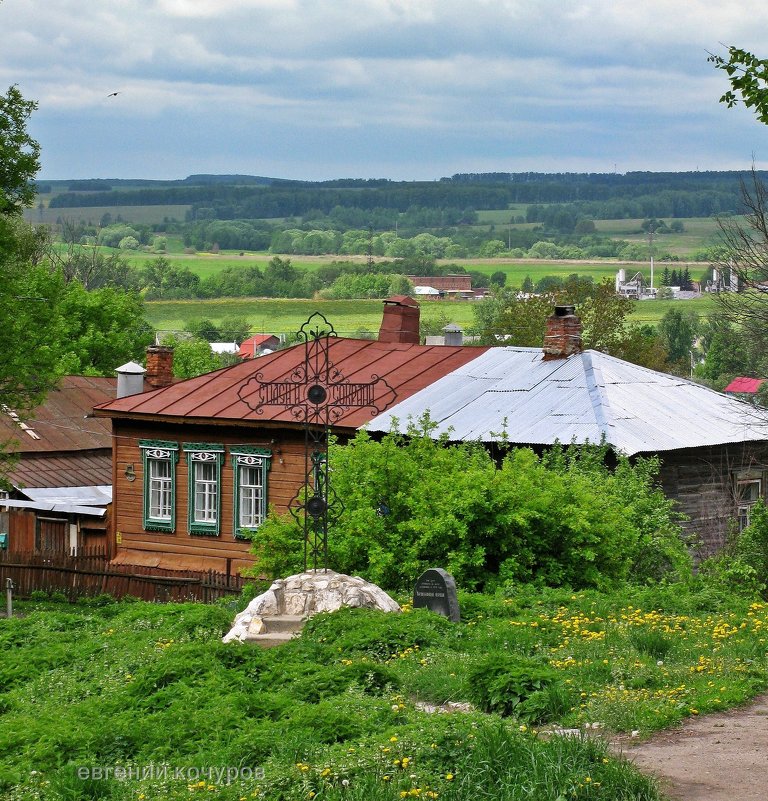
713, 449
197, 463
258, 344
59, 486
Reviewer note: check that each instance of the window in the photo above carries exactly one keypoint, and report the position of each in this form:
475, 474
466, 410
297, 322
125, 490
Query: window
159, 459
250, 466
204, 462
748, 493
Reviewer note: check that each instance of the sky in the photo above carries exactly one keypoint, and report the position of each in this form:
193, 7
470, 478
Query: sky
399, 89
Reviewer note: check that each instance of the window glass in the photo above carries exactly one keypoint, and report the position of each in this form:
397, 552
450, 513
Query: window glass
160, 489
206, 492
251, 467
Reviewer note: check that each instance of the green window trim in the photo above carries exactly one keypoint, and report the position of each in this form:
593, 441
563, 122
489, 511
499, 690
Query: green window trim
200, 454
254, 496
159, 458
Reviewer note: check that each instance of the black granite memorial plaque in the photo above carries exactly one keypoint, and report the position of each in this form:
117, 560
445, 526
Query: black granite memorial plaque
435, 589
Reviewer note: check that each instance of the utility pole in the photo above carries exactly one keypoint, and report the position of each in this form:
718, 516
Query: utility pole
650, 249
9, 598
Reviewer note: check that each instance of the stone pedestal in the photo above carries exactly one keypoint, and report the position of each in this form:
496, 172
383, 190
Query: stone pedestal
303, 595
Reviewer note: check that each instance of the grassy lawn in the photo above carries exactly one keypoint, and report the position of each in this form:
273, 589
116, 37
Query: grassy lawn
284, 316
339, 712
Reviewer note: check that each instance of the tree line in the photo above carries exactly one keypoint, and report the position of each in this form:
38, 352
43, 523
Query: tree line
598, 196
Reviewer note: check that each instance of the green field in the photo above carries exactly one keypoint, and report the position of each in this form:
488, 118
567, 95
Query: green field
91, 215
501, 216
699, 233
206, 264
285, 316
350, 317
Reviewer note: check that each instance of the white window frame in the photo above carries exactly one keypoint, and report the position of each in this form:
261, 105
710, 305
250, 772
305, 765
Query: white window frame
159, 503
204, 462
250, 500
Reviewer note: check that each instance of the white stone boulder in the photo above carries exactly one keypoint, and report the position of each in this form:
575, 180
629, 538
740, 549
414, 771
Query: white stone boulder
305, 594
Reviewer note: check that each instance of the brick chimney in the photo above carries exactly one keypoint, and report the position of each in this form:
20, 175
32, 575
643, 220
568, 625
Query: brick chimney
563, 336
159, 366
400, 322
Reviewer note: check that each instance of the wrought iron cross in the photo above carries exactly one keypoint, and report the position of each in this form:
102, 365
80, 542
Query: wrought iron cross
317, 394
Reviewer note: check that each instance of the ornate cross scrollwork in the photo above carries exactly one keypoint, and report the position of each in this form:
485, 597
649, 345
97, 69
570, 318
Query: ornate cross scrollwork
316, 394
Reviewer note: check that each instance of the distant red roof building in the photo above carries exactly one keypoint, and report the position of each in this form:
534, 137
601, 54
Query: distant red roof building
445, 283
257, 344
744, 386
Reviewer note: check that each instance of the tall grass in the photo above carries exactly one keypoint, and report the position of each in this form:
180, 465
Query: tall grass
149, 689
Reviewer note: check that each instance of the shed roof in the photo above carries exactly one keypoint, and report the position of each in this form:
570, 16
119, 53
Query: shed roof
745, 385
258, 339
61, 508
63, 470
214, 396
63, 423
512, 393
99, 495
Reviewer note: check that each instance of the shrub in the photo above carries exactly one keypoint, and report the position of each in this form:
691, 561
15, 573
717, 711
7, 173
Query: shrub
561, 519
513, 685
752, 545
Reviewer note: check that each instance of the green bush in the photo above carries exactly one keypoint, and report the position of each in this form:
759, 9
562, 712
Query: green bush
563, 519
752, 545
513, 685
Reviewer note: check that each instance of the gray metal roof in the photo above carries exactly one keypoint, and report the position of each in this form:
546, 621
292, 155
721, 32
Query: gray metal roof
80, 496
512, 391
62, 508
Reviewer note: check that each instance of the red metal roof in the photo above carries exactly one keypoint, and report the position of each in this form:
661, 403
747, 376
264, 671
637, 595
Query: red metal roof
745, 385
257, 339
214, 396
60, 424
249, 346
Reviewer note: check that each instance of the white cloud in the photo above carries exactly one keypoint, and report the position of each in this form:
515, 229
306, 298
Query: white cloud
384, 71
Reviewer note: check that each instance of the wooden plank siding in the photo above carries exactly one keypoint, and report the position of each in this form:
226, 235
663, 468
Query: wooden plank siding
21, 530
223, 552
703, 483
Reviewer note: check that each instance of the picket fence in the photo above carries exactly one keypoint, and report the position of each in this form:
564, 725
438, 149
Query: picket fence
90, 574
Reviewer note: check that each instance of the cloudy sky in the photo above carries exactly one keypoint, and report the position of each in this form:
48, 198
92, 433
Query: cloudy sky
402, 89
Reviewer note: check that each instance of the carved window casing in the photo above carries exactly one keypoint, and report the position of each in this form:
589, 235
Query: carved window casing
204, 463
159, 458
250, 466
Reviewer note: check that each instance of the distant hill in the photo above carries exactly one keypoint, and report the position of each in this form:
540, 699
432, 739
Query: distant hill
233, 180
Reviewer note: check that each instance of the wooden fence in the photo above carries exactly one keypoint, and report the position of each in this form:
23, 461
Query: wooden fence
90, 573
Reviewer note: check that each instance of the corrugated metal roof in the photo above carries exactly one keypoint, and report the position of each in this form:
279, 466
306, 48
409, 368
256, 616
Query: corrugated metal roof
73, 469
82, 496
60, 423
214, 396
514, 392
62, 508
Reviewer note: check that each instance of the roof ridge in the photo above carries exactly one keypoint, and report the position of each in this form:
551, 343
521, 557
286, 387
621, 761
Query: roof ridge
597, 398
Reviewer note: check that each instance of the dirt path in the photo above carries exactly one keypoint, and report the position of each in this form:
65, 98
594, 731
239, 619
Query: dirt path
720, 757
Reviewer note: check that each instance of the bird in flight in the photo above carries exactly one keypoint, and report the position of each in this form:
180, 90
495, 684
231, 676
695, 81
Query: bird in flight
113, 94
